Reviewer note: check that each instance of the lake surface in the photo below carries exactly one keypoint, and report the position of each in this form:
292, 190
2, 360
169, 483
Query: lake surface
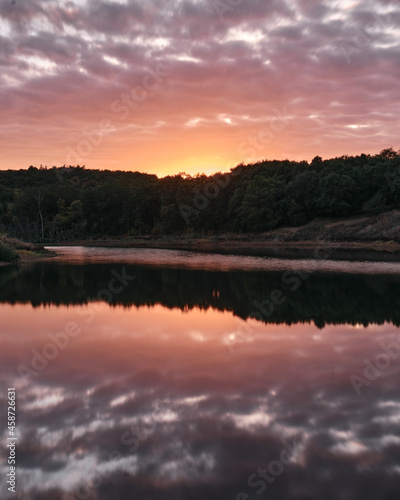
160, 374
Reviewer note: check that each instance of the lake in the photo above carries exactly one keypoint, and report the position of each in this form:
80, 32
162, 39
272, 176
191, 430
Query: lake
162, 374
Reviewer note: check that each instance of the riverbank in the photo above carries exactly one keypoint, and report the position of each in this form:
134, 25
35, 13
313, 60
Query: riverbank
13, 250
369, 237
232, 242
357, 238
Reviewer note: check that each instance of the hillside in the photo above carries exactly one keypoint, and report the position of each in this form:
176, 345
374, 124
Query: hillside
68, 204
384, 227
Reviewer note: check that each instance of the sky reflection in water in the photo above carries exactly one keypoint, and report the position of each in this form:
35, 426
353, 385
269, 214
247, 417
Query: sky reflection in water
157, 403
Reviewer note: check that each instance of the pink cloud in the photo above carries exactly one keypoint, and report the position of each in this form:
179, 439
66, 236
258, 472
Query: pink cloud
77, 59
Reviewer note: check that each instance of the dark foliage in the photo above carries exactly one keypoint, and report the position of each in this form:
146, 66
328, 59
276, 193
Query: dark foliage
69, 203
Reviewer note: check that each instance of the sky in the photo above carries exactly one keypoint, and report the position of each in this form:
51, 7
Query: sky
195, 86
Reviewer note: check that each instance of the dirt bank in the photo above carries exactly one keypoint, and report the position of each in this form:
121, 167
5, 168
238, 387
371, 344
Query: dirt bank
364, 237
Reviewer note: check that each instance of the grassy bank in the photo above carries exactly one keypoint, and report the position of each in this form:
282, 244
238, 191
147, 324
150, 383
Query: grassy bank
13, 250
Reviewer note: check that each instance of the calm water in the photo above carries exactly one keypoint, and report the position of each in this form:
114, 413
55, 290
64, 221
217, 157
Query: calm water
154, 374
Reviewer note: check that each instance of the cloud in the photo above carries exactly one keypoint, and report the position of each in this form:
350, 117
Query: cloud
67, 62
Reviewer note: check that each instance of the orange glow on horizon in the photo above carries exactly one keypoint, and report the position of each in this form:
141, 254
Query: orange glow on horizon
200, 92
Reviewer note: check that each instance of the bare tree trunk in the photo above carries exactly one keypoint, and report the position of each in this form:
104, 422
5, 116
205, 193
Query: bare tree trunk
39, 200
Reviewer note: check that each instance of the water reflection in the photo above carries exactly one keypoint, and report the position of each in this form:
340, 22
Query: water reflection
149, 402
304, 295
318, 259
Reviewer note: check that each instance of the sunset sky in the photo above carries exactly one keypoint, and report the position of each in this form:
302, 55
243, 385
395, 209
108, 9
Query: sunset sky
165, 86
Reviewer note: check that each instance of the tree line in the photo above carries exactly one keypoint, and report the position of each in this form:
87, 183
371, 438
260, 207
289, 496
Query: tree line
70, 202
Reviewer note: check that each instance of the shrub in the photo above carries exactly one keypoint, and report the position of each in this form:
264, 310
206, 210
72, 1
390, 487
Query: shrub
7, 254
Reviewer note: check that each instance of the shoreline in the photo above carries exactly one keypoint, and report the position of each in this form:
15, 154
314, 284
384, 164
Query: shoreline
370, 237
24, 252
215, 242
362, 237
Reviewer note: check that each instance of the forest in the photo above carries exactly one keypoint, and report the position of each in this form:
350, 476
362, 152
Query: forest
70, 203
